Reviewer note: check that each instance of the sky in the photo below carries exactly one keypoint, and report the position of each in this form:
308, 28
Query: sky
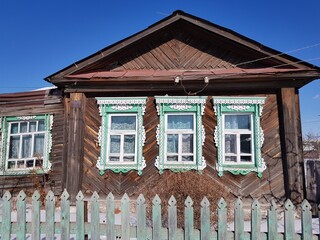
39, 38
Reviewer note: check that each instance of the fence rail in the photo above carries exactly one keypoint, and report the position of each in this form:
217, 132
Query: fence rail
49, 223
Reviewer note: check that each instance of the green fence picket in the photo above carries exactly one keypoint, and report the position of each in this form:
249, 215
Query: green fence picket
95, 217
238, 220
172, 218
205, 219
6, 217
110, 216
80, 216
289, 220
156, 217
65, 215
21, 213
125, 217
35, 232
50, 215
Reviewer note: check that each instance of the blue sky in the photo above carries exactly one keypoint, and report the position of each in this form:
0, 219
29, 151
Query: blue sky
38, 38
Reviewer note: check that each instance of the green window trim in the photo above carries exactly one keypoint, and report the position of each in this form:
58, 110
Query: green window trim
192, 105
240, 105
4, 144
110, 106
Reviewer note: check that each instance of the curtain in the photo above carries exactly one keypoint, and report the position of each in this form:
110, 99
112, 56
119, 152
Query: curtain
237, 122
123, 122
180, 122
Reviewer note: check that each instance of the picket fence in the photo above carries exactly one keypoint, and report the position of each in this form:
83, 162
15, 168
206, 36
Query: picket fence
93, 228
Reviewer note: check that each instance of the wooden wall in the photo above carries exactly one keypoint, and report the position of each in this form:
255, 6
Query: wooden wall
31, 103
270, 185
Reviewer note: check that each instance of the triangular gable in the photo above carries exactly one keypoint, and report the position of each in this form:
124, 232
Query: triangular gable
182, 42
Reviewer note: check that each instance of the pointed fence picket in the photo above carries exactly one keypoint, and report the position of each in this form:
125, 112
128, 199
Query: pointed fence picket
135, 224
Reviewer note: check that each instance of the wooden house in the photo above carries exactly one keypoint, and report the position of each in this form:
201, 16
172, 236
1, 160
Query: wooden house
182, 96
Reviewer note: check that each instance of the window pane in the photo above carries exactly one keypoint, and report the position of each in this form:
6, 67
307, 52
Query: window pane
128, 159
231, 159
39, 162
172, 158
123, 122
237, 122
245, 143
187, 143
32, 126
230, 145
115, 144
245, 158
14, 147
14, 127
187, 158
172, 143
20, 164
180, 122
26, 146
11, 164
129, 143
41, 125
30, 163
23, 127
114, 159
38, 145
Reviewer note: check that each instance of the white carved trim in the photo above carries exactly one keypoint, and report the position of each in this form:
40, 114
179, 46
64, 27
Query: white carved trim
182, 100
180, 107
121, 107
230, 100
26, 118
121, 101
238, 107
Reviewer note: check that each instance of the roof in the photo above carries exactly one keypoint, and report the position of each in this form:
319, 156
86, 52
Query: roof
84, 69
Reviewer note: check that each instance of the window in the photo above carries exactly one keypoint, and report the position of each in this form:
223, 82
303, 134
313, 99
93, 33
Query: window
238, 135
26, 144
180, 133
121, 135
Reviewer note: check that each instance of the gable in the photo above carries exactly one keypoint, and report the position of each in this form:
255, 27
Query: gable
179, 45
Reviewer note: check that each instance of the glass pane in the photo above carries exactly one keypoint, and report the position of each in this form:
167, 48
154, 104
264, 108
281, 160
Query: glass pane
123, 122
231, 159
172, 158
237, 122
187, 158
129, 143
14, 127
38, 145
230, 144
180, 122
172, 143
41, 125
30, 163
23, 127
187, 143
245, 143
11, 164
26, 146
39, 162
115, 144
114, 159
14, 147
20, 164
128, 158
245, 158
32, 126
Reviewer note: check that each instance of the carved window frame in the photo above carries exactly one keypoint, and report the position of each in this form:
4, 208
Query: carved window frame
241, 105
180, 105
4, 144
121, 106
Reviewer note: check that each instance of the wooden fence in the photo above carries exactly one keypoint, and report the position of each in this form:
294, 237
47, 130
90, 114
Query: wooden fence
42, 223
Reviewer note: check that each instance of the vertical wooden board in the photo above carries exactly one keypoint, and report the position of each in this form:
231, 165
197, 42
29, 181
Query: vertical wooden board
222, 220
306, 217
188, 219
110, 216
255, 220
172, 218
50, 214
95, 217
6, 216
156, 217
21, 212
205, 219
80, 216
35, 232
238, 220
272, 221
289, 229
141, 214
65, 215
125, 217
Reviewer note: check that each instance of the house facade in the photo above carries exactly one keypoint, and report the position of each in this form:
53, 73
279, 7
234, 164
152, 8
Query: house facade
182, 96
